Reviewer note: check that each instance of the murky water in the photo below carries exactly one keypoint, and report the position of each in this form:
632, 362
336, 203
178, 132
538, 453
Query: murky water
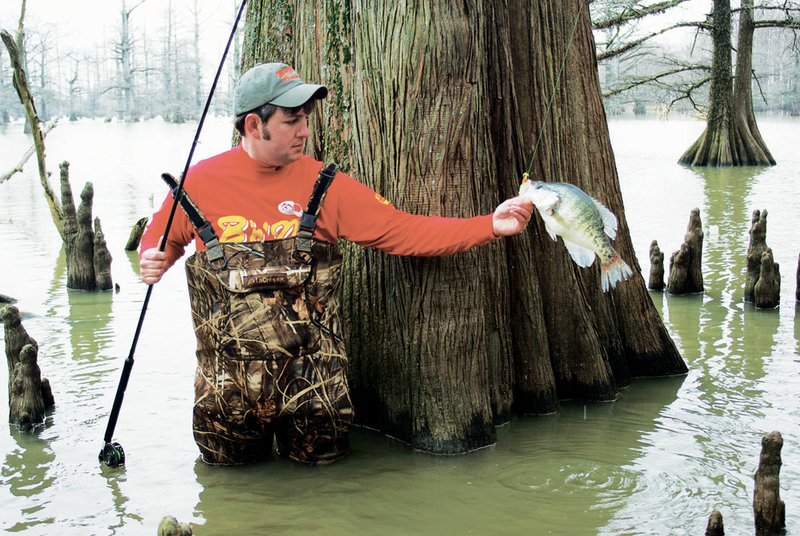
657, 461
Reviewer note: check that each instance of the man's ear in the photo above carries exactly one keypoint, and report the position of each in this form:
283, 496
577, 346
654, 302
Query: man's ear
252, 125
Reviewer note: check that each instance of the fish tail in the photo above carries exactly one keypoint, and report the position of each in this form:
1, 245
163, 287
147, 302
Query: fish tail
614, 271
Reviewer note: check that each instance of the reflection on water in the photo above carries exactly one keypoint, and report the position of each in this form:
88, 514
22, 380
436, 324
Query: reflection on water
26, 473
657, 460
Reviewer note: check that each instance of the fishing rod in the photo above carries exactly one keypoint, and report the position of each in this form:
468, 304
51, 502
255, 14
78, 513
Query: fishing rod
112, 454
556, 86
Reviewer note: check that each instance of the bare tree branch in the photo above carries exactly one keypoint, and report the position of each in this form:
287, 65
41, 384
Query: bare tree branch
635, 13
26, 156
612, 52
654, 78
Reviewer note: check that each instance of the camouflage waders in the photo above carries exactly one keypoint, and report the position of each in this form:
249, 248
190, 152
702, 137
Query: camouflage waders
270, 360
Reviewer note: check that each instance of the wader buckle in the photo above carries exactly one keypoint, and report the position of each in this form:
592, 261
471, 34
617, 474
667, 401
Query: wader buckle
308, 222
201, 225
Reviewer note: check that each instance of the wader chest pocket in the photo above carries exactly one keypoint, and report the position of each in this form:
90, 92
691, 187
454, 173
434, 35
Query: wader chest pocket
253, 312
267, 314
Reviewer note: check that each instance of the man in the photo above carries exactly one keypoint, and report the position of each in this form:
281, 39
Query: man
271, 363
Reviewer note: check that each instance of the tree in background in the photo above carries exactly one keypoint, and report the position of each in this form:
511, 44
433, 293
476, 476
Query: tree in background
438, 106
731, 136
123, 50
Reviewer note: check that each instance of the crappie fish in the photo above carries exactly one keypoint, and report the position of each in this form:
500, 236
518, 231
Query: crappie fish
584, 225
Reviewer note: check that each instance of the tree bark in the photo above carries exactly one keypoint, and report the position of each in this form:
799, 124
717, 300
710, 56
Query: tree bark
437, 106
731, 136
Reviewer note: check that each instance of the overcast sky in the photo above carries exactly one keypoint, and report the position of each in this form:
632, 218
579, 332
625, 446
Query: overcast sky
84, 24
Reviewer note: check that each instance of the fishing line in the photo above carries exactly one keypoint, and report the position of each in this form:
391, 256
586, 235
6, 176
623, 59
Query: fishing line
556, 86
112, 454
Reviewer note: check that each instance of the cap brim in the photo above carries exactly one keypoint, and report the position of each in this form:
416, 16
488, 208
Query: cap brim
298, 96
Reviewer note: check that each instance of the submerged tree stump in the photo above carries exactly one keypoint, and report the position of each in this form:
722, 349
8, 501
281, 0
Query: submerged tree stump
30, 395
767, 292
756, 246
769, 509
9, 299
102, 259
86, 268
715, 526
16, 338
656, 280
170, 526
136, 235
685, 265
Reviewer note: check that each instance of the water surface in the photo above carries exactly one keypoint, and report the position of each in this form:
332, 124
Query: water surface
656, 461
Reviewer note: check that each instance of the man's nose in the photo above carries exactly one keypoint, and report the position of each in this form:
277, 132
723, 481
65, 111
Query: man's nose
302, 132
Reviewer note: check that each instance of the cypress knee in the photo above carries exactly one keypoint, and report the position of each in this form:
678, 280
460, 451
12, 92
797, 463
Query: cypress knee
170, 526
80, 268
16, 338
101, 260
769, 509
767, 291
136, 235
656, 280
685, 270
756, 246
30, 396
715, 526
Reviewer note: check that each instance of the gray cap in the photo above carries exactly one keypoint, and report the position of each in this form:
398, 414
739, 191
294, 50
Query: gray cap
274, 83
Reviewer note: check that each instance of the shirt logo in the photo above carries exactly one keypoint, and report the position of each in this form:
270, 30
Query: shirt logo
290, 208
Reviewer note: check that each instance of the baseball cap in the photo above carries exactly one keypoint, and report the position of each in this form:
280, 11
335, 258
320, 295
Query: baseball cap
274, 83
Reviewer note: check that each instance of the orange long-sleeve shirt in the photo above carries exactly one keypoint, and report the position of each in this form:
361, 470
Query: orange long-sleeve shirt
246, 201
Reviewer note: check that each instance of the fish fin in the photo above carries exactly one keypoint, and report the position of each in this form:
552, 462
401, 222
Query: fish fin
546, 203
609, 220
614, 271
547, 228
582, 256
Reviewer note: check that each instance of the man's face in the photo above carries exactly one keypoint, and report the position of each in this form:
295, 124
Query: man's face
282, 138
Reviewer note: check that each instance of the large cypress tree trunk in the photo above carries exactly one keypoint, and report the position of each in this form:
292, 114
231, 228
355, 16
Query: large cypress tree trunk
731, 137
440, 105
749, 145
425, 144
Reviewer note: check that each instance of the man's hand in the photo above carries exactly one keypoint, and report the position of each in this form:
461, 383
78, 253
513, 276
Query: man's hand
511, 216
152, 265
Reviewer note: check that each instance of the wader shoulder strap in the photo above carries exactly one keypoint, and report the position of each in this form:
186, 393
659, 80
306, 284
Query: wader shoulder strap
308, 222
201, 225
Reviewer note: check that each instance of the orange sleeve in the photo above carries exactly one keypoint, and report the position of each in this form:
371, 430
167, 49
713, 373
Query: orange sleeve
366, 218
181, 231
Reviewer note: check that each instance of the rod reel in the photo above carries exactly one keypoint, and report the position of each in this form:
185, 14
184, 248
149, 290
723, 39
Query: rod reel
112, 454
